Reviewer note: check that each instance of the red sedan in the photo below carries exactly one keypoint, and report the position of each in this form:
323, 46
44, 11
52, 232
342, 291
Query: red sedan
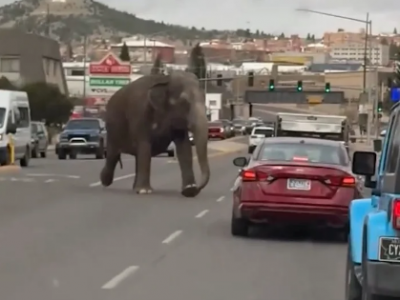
217, 130
294, 181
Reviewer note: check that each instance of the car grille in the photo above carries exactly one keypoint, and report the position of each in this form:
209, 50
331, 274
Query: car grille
79, 136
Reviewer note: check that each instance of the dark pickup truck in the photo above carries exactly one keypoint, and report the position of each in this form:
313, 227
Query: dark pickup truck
82, 136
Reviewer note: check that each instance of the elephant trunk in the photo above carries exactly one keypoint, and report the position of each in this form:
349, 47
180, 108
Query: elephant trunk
200, 137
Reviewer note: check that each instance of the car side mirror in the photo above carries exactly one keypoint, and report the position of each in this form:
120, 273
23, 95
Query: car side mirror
11, 128
240, 162
377, 145
364, 163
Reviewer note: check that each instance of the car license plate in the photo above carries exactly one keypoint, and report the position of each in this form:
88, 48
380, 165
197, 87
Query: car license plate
298, 184
389, 249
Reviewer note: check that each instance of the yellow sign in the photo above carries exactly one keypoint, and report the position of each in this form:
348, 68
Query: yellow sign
314, 99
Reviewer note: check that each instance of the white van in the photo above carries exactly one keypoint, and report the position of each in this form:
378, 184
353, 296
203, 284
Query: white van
15, 120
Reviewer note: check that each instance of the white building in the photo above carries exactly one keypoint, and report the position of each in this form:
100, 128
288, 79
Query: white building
355, 51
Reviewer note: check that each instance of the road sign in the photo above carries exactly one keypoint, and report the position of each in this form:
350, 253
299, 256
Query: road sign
110, 65
108, 81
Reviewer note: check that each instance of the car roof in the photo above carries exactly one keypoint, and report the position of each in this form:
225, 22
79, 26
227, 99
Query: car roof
291, 140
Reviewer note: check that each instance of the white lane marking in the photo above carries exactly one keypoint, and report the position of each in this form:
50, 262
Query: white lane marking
172, 236
98, 183
220, 199
53, 175
49, 180
202, 214
114, 282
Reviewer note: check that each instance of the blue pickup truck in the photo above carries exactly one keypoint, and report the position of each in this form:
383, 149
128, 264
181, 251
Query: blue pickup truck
82, 136
373, 259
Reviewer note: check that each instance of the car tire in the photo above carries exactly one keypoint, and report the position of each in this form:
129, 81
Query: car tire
24, 161
251, 150
34, 152
353, 290
61, 154
100, 151
5, 159
43, 154
170, 153
239, 226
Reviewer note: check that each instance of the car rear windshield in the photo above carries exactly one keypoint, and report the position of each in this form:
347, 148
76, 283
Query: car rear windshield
215, 124
264, 132
313, 153
82, 124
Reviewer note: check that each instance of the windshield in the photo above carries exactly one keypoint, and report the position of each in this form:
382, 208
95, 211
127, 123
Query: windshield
34, 127
82, 124
314, 153
2, 116
215, 124
264, 132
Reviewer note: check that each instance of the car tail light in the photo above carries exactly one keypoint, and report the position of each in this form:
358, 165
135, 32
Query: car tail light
396, 214
341, 181
253, 175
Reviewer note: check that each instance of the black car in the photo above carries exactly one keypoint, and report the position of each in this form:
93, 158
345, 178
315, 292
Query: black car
82, 136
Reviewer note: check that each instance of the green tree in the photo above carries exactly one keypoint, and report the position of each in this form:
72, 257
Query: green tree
6, 84
48, 103
124, 55
395, 30
282, 36
313, 38
197, 62
157, 65
308, 38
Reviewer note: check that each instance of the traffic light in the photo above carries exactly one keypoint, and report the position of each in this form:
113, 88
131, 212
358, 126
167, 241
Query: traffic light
327, 87
299, 86
271, 85
379, 106
250, 79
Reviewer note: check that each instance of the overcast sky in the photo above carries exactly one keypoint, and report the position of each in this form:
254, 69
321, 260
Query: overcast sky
272, 16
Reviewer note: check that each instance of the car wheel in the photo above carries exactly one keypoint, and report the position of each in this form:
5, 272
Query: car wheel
34, 152
61, 154
43, 154
24, 162
170, 153
5, 159
353, 288
100, 151
239, 226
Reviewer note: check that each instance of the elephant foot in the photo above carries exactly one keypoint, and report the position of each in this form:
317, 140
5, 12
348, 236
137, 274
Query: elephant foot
144, 190
106, 177
190, 190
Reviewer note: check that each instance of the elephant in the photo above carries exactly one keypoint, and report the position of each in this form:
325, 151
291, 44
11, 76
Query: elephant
145, 116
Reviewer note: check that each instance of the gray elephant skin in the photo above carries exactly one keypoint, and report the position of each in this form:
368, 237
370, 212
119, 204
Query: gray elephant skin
144, 117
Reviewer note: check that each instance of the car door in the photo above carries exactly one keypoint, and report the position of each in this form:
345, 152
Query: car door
42, 137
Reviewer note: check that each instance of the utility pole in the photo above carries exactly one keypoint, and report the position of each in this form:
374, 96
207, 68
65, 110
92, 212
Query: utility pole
84, 72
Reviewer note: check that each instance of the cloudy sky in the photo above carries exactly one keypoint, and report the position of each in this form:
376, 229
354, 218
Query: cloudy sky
273, 16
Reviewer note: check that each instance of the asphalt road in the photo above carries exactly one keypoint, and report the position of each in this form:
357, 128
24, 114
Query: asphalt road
65, 237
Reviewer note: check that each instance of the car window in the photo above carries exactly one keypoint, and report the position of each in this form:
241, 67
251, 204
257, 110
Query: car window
313, 153
264, 132
34, 128
214, 124
82, 124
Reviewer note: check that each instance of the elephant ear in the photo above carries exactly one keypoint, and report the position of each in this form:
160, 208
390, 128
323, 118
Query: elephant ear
158, 93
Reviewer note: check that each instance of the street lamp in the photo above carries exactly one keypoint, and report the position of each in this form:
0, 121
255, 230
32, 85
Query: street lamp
368, 38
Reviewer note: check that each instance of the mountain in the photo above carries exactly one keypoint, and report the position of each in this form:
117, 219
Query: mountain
70, 20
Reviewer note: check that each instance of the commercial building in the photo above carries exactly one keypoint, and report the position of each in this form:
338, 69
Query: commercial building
356, 51
27, 58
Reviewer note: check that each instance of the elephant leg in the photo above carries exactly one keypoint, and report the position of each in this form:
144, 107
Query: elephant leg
143, 168
107, 173
184, 154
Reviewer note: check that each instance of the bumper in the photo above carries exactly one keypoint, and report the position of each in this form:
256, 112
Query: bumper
383, 278
85, 148
213, 135
335, 216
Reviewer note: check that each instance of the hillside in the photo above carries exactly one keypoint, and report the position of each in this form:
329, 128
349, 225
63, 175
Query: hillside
72, 19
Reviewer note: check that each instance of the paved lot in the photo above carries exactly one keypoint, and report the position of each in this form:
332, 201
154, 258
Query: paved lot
65, 237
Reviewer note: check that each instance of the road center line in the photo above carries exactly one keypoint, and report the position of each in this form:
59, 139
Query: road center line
172, 236
98, 183
220, 199
114, 282
202, 214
